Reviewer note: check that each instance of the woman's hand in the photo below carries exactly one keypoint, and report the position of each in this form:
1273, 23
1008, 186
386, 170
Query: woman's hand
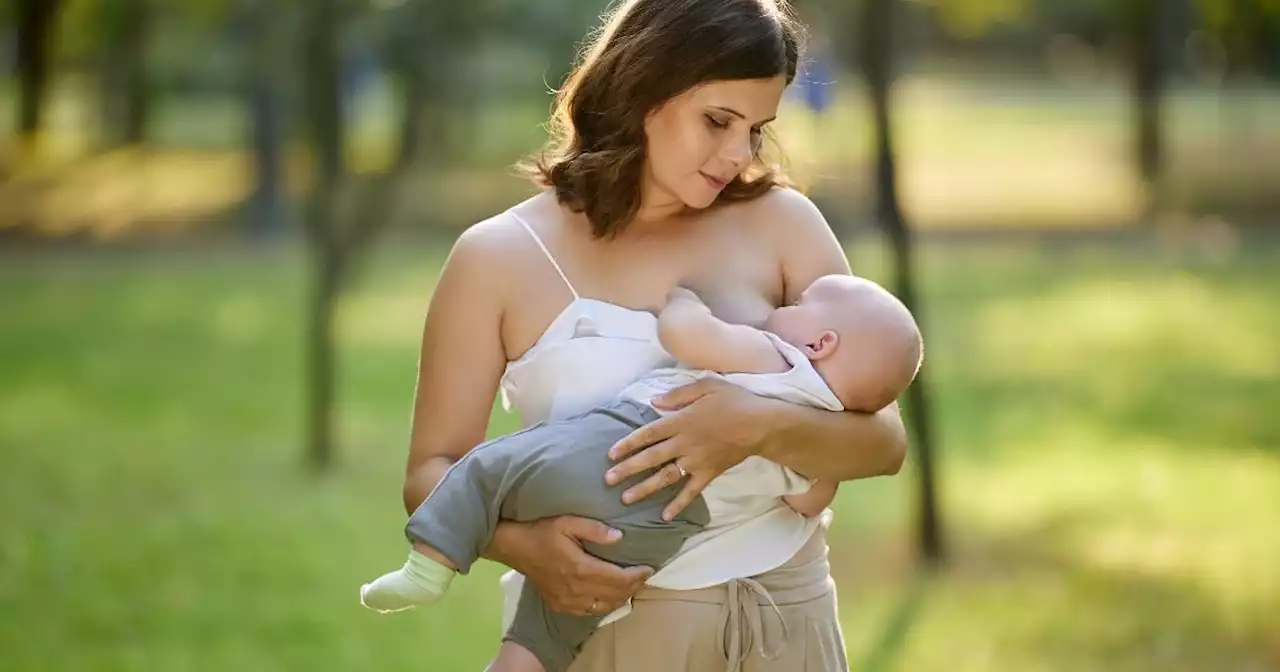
717, 426
549, 553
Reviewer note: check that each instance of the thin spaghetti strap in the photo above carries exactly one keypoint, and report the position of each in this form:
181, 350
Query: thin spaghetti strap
554, 263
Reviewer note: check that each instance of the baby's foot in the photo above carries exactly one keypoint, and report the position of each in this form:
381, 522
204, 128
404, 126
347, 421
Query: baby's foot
421, 581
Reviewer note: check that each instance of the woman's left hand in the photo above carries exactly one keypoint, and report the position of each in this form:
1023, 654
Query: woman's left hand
717, 425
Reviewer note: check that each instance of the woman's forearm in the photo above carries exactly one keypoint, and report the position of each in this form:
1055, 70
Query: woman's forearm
505, 548
836, 446
420, 481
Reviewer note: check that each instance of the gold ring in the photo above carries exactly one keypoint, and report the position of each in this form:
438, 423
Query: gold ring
683, 473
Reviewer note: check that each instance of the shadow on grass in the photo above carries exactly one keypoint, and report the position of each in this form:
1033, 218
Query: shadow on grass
889, 644
1032, 599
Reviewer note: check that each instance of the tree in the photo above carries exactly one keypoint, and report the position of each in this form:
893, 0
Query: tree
125, 27
36, 23
323, 99
266, 46
1144, 22
342, 217
875, 44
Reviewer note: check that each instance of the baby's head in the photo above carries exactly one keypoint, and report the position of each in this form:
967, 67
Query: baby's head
861, 338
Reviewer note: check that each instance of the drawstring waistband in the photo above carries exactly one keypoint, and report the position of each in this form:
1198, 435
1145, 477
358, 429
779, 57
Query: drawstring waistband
743, 608
747, 603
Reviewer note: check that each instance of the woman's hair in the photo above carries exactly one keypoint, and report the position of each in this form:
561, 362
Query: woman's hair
647, 52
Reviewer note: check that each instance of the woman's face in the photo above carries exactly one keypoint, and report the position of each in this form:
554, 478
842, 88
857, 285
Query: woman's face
703, 138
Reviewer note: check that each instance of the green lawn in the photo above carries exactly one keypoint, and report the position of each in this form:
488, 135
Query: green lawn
1110, 479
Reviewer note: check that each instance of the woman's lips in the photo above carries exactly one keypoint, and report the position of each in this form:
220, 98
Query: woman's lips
715, 183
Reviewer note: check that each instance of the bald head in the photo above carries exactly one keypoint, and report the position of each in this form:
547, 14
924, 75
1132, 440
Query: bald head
876, 349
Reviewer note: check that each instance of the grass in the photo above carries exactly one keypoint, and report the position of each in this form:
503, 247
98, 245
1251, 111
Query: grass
1110, 468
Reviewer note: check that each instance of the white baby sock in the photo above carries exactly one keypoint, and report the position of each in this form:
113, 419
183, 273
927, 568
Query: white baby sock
421, 581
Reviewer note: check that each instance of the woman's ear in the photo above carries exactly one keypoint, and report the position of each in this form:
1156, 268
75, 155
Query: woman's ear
824, 345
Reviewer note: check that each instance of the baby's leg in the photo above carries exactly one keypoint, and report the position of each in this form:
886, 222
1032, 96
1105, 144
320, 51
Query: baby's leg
455, 524
569, 479
553, 638
556, 638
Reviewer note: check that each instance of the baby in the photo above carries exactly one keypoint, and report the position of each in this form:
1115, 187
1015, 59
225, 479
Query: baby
845, 344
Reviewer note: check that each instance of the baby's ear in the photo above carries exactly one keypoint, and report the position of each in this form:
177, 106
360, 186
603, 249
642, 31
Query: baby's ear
824, 346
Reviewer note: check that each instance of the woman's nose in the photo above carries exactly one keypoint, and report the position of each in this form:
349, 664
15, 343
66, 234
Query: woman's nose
738, 152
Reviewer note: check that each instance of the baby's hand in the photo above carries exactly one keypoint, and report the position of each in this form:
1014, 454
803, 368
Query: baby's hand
679, 293
814, 502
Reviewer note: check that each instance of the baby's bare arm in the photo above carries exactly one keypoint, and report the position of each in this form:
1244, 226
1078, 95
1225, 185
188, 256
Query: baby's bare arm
700, 340
813, 502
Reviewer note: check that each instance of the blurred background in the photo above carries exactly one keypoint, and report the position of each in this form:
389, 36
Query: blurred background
221, 222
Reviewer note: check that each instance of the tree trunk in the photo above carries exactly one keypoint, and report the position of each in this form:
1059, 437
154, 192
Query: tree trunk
136, 93
323, 97
1148, 84
123, 82
337, 240
324, 88
421, 47
322, 354
876, 60
35, 38
413, 77
261, 21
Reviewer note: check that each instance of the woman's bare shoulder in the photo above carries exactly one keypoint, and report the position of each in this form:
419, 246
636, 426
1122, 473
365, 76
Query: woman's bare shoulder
789, 220
787, 211
805, 245
499, 241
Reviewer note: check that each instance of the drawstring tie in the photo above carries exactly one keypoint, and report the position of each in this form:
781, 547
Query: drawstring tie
743, 629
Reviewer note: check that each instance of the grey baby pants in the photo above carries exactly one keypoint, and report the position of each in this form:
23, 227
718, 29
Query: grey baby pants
550, 469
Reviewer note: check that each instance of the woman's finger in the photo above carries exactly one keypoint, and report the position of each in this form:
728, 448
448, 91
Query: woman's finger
607, 586
586, 529
653, 456
658, 430
694, 487
685, 394
607, 581
669, 474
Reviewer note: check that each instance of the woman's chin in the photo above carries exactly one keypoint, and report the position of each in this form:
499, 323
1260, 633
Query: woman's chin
700, 200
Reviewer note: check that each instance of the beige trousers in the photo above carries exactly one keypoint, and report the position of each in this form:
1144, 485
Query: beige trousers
784, 620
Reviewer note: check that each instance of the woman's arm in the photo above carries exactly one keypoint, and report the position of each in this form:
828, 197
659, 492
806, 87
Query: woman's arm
461, 363
821, 444
459, 366
839, 446
717, 425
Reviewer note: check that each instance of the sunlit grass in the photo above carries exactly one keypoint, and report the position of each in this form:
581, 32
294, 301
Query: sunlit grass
1110, 468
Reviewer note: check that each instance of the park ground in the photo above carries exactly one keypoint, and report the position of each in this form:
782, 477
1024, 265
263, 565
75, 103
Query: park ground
1110, 465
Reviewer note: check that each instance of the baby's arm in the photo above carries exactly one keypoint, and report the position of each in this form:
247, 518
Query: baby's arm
813, 502
700, 340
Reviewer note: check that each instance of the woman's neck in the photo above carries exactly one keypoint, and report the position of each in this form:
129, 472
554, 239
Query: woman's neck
659, 210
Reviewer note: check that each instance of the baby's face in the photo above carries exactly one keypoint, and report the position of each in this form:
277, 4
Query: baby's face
802, 323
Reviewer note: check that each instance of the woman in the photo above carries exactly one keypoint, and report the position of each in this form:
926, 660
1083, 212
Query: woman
653, 179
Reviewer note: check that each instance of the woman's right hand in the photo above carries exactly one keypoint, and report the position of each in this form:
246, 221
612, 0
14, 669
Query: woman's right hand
549, 553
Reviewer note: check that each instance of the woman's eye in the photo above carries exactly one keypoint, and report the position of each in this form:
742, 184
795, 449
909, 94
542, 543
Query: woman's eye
717, 123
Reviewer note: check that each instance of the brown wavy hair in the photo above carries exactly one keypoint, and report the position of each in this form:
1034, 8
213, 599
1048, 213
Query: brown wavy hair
645, 53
